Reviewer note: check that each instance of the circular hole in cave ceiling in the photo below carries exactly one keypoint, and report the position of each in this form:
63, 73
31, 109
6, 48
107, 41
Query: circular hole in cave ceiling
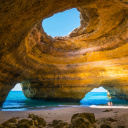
61, 24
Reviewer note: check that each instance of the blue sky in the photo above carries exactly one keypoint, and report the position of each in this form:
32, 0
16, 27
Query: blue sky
100, 89
17, 87
61, 24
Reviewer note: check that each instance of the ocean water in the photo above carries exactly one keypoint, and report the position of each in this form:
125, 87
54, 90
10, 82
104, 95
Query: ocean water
16, 101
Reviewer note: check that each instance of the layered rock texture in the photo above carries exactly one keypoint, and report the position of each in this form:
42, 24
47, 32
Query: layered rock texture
64, 68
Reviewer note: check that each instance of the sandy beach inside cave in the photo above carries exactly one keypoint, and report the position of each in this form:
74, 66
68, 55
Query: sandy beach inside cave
65, 114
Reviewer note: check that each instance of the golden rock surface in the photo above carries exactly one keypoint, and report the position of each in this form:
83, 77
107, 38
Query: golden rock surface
64, 68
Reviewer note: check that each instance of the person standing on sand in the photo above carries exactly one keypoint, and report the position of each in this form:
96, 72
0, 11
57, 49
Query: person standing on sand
111, 104
108, 103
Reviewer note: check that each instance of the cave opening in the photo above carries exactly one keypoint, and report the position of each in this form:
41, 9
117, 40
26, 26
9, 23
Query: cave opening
15, 99
61, 24
100, 97
97, 96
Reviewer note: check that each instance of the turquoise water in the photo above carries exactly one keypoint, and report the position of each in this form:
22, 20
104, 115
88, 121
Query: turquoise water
100, 98
16, 101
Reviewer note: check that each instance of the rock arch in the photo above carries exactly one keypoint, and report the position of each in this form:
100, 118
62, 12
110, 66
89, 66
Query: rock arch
93, 53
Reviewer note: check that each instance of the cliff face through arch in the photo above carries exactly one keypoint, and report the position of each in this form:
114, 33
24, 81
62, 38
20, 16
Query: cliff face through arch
64, 68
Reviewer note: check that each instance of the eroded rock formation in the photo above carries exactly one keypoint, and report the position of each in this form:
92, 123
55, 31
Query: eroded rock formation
63, 68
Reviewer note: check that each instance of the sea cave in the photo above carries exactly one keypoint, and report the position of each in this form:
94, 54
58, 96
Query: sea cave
64, 68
